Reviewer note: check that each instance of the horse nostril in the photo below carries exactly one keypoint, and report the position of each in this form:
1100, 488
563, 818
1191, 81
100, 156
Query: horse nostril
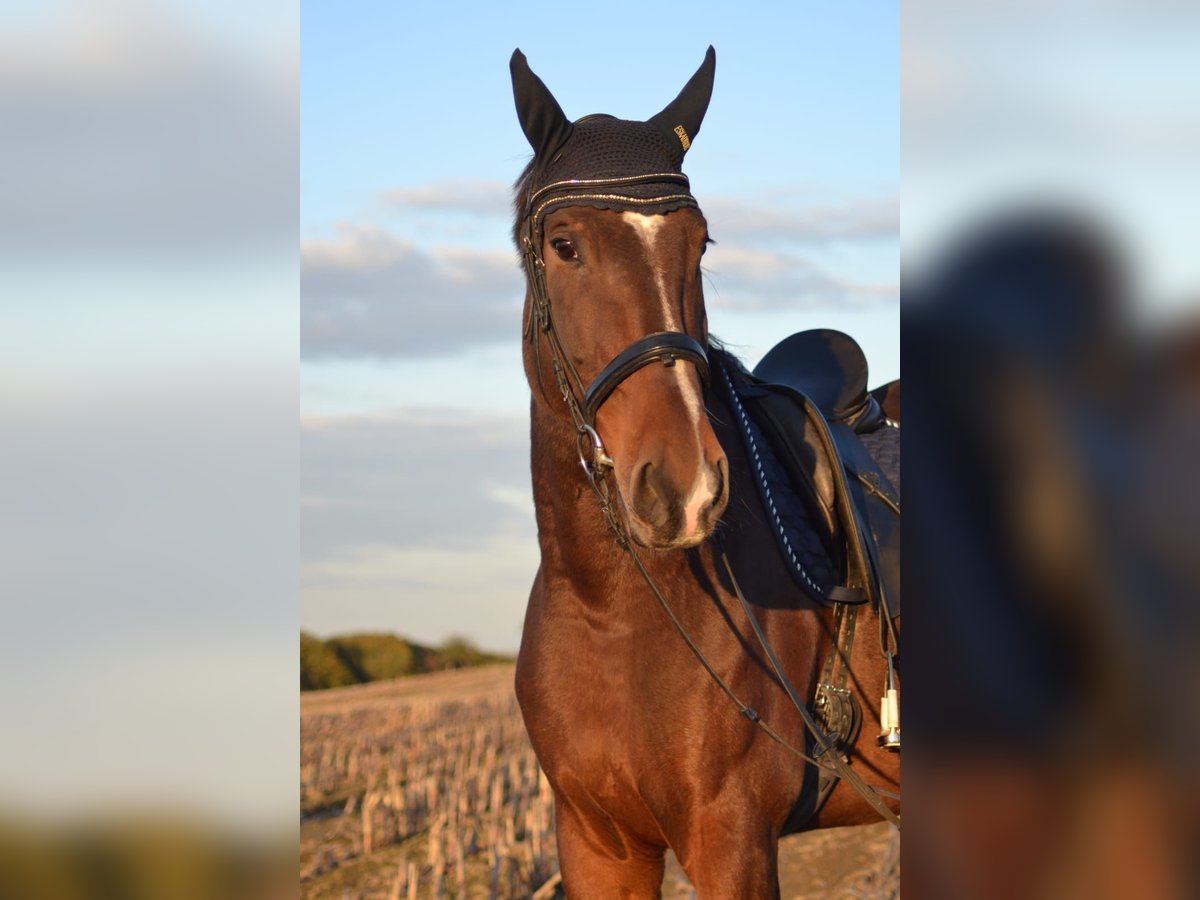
718, 482
719, 494
649, 495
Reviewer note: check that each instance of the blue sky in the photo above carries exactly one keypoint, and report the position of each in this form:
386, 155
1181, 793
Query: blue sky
416, 514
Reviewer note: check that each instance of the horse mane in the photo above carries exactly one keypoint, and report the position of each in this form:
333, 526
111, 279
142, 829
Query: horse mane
718, 348
521, 190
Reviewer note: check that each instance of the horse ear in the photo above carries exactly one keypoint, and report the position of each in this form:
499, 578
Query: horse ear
542, 119
683, 115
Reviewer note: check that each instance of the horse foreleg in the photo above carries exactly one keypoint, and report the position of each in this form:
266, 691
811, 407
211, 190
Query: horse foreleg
597, 861
726, 861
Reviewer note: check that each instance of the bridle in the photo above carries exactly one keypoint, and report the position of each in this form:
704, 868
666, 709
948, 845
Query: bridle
583, 403
661, 346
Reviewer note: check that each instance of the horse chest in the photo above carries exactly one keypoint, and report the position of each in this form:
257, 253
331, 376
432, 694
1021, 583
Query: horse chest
628, 728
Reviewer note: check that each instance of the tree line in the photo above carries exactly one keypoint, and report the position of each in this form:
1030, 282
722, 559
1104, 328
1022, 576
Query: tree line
359, 658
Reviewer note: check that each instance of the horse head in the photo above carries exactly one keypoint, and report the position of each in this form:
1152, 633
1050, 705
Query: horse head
611, 239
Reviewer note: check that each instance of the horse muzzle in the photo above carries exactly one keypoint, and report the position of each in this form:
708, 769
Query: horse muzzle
662, 516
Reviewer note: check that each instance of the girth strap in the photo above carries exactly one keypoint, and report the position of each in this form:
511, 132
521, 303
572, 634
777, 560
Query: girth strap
663, 346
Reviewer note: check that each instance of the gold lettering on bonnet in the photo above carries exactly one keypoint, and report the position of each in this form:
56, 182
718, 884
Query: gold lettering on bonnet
683, 138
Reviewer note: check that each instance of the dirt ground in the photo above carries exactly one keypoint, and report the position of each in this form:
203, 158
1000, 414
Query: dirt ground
863, 861
859, 862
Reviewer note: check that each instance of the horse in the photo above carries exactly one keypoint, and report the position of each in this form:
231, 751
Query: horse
655, 710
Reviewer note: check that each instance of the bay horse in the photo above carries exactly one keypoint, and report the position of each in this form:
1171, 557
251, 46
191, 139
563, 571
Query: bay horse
643, 488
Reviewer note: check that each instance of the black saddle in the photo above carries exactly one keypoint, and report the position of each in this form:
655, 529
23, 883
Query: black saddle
829, 368
827, 465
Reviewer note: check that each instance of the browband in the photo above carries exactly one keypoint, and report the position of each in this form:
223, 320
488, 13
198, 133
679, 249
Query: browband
607, 192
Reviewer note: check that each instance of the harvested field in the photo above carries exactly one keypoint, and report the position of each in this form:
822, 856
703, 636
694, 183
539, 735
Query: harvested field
427, 787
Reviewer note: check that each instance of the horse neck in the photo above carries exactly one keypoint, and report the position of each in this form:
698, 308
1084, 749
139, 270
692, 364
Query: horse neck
568, 510
580, 555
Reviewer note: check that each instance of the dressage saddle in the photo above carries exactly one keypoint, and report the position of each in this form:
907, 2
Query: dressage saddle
826, 461
829, 368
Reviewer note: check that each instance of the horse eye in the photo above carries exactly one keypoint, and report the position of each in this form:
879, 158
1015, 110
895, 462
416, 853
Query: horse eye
564, 248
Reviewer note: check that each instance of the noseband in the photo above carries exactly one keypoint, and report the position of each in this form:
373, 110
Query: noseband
664, 346
661, 346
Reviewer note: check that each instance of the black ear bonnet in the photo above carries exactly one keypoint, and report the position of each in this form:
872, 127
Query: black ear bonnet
604, 161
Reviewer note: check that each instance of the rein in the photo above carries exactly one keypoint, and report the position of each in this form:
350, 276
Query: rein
827, 746
665, 347
838, 765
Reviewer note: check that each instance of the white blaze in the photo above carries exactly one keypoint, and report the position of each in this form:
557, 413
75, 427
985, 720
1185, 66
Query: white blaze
647, 227
704, 488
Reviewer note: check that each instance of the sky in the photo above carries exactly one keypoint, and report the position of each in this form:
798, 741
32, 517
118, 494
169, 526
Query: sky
148, 317
1088, 106
416, 511
148, 386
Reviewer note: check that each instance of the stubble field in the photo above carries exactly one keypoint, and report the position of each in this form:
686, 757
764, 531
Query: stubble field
427, 787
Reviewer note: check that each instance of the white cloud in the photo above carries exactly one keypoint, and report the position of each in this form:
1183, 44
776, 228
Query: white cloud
417, 521
777, 218
412, 479
487, 198
420, 522
426, 594
518, 500
369, 292
132, 132
750, 279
